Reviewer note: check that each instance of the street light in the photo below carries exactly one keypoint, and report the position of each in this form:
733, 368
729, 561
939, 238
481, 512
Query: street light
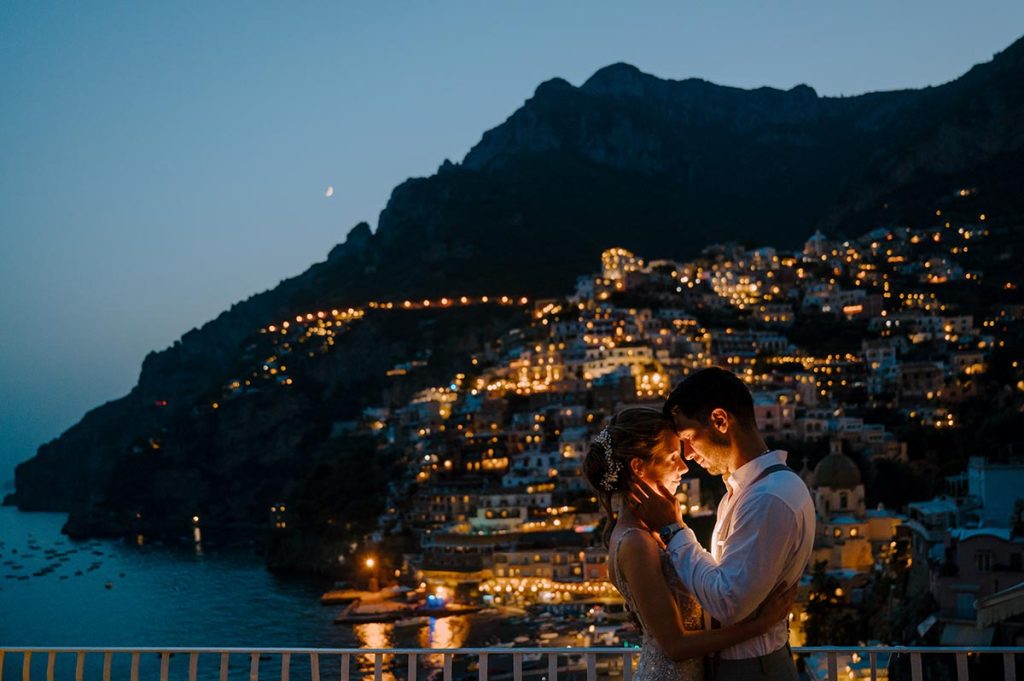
371, 564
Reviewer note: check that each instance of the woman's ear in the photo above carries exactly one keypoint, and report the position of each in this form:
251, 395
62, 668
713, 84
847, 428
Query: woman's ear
636, 466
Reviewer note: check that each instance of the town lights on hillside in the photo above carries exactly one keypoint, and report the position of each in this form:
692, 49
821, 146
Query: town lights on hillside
370, 563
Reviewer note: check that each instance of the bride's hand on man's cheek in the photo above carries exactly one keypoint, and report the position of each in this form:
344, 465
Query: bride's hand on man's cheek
655, 507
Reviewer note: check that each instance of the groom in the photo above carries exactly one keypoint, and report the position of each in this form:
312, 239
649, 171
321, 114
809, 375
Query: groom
765, 525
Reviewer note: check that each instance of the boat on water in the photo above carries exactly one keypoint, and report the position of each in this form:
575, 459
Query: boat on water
342, 596
409, 622
365, 613
367, 617
447, 610
337, 597
603, 635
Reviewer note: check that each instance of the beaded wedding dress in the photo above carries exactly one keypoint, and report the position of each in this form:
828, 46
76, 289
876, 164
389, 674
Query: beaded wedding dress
654, 665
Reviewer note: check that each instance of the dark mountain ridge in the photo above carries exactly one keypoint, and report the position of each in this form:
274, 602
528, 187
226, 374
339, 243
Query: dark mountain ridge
661, 167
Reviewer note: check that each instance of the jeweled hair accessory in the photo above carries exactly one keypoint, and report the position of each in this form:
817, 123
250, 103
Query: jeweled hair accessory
612, 465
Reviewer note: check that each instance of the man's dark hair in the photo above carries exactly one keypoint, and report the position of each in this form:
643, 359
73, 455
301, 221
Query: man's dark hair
705, 390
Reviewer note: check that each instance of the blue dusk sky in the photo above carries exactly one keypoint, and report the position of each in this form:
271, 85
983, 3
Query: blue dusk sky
163, 160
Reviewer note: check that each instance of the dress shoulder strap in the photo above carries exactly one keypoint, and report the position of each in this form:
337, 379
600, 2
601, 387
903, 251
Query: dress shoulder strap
623, 536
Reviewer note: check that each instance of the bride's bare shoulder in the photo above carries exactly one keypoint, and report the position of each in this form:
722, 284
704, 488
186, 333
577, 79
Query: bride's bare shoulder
636, 545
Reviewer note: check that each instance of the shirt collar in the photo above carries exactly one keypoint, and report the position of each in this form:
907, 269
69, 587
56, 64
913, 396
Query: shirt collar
749, 471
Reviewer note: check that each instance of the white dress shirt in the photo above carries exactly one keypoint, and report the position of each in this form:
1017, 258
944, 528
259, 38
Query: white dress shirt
769, 540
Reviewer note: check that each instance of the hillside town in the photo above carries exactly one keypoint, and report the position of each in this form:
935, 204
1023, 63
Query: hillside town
837, 342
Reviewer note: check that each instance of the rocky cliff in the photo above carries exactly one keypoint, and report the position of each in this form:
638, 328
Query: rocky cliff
655, 165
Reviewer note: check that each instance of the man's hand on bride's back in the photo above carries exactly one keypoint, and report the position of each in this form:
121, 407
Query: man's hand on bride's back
776, 607
656, 507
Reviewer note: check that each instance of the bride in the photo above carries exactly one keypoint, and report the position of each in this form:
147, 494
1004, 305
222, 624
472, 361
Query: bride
639, 442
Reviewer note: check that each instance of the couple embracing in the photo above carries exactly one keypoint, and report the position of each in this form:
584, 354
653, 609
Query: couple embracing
720, 613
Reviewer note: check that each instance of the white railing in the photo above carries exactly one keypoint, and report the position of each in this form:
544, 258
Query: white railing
385, 663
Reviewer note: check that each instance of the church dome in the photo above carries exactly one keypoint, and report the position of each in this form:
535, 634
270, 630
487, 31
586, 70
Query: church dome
837, 471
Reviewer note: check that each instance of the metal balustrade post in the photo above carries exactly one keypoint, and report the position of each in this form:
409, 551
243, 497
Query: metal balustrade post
833, 667
314, 667
193, 666
961, 667
135, 667
411, 674
482, 672
79, 666
51, 658
286, 664
517, 667
344, 666
448, 666
915, 667
591, 666
107, 659
1009, 667
223, 666
553, 667
254, 667
26, 667
165, 662
873, 659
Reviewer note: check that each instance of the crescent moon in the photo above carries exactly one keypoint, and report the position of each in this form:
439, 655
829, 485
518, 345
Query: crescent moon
330, 191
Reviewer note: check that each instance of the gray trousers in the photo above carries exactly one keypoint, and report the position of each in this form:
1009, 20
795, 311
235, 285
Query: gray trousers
777, 666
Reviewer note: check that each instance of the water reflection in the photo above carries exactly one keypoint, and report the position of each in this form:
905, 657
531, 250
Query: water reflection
446, 632
375, 635
438, 634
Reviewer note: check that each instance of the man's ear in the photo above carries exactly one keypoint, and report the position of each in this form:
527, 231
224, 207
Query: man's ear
719, 419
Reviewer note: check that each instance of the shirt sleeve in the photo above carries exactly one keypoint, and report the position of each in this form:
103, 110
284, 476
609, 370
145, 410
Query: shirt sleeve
752, 562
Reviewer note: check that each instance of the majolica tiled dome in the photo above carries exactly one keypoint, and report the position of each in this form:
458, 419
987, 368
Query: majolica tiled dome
837, 471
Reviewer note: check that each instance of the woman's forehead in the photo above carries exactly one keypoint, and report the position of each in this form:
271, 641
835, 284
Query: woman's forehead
670, 442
